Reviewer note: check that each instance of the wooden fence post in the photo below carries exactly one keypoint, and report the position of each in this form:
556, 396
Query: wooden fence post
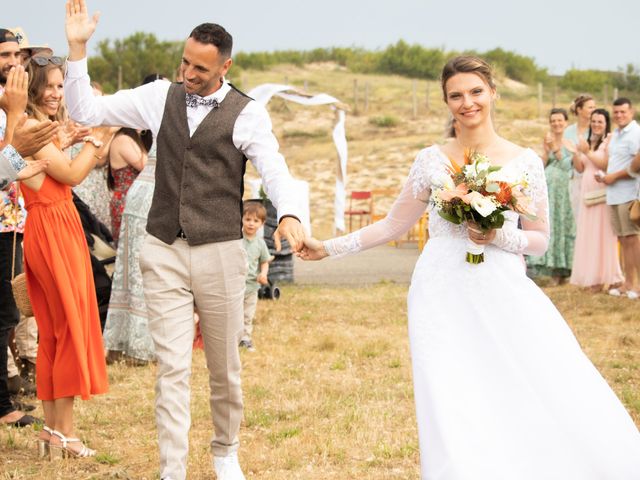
605, 94
426, 103
554, 98
539, 100
119, 77
414, 98
366, 97
615, 93
355, 96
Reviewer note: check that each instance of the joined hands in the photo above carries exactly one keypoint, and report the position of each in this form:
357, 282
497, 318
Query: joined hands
313, 249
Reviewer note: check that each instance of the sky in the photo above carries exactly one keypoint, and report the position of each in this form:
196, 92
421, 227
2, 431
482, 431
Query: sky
559, 34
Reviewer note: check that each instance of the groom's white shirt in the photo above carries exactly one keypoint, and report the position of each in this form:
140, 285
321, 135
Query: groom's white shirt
143, 108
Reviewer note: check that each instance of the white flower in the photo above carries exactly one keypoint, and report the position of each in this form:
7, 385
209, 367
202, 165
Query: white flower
435, 197
444, 181
508, 174
482, 166
469, 171
483, 205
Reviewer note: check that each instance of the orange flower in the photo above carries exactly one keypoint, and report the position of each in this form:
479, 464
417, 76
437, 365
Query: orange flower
468, 154
503, 196
455, 168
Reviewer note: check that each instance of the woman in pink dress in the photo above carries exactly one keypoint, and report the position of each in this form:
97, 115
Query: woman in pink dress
595, 258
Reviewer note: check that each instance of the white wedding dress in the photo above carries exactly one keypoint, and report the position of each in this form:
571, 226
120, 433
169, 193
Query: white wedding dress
502, 389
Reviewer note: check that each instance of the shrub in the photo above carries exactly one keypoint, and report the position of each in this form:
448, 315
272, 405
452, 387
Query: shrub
385, 121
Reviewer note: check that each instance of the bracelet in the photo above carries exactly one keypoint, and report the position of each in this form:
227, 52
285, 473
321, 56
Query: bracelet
632, 174
97, 157
93, 141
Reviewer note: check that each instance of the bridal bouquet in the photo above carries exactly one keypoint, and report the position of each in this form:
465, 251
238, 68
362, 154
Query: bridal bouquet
478, 193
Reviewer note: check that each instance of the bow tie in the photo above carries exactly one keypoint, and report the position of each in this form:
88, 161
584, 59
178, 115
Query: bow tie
194, 101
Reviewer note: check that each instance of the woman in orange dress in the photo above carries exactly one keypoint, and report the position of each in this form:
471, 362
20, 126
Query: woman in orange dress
70, 359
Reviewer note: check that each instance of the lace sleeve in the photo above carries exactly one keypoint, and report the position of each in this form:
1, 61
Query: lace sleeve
404, 213
533, 237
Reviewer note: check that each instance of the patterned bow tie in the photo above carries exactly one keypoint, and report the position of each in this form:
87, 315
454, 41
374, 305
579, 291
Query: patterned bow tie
194, 101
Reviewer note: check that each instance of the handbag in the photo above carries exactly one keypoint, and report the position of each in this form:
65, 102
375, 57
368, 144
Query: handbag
19, 282
595, 197
634, 212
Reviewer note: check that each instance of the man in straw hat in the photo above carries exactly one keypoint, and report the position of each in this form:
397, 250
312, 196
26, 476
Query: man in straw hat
26, 49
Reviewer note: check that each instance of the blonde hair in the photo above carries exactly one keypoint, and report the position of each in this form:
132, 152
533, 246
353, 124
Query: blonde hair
466, 64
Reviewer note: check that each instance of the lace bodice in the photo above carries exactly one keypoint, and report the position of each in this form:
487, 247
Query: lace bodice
428, 169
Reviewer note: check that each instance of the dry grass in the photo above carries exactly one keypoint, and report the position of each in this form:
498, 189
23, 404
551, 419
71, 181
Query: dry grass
327, 395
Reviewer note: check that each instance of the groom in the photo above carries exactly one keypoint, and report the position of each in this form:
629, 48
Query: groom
205, 131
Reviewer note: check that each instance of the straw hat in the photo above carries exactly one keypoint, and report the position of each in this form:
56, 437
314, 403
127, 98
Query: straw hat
23, 42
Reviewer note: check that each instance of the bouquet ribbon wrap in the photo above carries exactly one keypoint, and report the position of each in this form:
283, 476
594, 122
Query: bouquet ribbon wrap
475, 252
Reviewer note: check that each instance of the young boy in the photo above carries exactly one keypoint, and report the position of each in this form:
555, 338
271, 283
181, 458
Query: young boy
253, 217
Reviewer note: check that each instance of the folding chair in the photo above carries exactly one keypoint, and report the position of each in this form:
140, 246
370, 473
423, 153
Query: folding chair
360, 205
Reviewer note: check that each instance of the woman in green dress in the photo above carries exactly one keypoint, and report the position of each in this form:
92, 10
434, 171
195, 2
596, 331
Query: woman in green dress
557, 158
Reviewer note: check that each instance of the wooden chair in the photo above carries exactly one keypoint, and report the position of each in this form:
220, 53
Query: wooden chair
360, 205
418, 233
381, 201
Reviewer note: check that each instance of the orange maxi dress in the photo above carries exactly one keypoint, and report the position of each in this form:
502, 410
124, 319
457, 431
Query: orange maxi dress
70, 359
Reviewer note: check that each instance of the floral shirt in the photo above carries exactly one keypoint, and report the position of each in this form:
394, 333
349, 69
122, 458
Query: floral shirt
9, 218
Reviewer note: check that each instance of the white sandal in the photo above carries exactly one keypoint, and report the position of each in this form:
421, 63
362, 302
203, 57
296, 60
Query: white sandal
63, 450
43, 445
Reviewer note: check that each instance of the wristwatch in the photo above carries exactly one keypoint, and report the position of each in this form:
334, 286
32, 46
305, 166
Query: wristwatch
92, 140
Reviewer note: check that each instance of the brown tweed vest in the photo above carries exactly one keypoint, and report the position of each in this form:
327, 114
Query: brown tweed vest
199, 179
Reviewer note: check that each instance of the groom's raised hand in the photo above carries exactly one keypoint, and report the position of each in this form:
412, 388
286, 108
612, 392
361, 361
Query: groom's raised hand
79, 27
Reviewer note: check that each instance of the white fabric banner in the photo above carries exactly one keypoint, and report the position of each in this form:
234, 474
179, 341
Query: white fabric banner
340, 139
263, 93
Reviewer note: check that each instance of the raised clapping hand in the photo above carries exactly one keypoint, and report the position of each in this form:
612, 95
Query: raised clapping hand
14, 99
29, 140
79, 27
548, 142
72, 134
313, 250
583, 146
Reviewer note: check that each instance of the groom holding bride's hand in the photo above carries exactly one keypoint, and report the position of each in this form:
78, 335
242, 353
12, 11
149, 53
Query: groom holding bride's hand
205, 131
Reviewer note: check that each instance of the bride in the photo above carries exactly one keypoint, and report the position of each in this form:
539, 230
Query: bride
502, 388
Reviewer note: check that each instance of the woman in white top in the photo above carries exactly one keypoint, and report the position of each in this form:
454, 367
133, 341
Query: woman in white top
581, 107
